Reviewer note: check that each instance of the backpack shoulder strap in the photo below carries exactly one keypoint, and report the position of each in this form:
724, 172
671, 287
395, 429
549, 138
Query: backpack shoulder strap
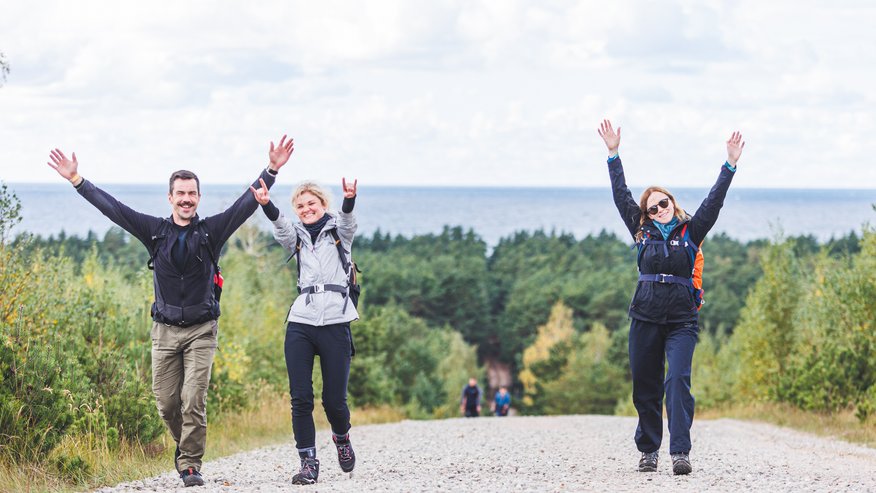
206, 240
296, 252
340, 247
685, 237
157, 238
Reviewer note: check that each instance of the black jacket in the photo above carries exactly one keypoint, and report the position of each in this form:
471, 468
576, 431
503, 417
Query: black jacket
183, 297
666, 303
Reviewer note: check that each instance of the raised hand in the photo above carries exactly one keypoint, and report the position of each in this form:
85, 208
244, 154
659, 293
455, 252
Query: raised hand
734, 148
280, 154
612, 139
262, 195
349, 190
68, 168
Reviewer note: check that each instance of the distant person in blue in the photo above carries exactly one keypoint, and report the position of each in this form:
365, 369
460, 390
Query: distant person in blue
664, 310
184, 249
470, 402
502, 402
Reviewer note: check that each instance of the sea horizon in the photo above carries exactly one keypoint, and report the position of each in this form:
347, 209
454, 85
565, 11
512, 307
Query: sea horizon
492, 212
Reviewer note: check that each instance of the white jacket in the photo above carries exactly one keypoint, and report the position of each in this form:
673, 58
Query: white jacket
320, 264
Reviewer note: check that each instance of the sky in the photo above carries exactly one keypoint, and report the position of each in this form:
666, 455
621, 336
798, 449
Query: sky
442, 93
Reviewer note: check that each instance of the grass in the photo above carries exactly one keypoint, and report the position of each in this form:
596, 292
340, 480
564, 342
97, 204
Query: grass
268, 424
842, 425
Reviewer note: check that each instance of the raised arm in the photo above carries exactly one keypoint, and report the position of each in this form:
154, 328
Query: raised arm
347, 225
138, 224
224, 224
284, 230
627, 207
707, 214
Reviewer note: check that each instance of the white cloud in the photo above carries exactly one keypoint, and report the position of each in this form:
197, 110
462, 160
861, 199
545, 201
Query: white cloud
446, 93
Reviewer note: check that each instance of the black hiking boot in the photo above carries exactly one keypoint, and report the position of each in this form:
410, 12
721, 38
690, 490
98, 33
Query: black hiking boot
346, 456
681, 464
309, 472
191, 477
648, 462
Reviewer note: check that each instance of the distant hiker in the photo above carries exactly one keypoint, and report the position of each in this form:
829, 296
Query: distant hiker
664, 309
319, 319
470, 402
501, 402
184, 250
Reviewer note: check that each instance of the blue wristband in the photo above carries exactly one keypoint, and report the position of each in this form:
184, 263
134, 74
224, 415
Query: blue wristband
731, 168
614, 158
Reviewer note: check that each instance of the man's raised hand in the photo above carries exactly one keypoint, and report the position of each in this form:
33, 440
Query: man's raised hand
68, 168
280, 154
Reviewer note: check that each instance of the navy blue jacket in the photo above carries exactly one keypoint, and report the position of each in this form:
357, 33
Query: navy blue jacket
183, 297
666, 303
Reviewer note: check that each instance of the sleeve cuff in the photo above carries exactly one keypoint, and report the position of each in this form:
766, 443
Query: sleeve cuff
613, 158
731, 168
271, 211
348, 205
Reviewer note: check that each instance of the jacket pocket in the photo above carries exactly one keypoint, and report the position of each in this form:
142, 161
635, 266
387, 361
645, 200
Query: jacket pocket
300, 307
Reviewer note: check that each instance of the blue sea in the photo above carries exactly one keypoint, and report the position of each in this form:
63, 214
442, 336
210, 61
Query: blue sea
493, 213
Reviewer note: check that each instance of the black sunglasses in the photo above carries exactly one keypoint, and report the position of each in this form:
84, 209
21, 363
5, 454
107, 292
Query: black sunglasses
663, 204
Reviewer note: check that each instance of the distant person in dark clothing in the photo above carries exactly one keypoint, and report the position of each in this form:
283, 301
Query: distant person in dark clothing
502, 402
470, 403
664, 309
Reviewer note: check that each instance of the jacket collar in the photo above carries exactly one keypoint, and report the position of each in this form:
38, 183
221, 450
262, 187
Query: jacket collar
331, 223
195, 220
649, 227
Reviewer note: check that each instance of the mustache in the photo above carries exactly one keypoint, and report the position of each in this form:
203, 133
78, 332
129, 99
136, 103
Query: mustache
185, 204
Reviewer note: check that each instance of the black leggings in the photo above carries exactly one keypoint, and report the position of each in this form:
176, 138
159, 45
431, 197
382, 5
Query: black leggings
334, 345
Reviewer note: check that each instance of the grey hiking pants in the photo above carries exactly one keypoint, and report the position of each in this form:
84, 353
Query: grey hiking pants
181, 361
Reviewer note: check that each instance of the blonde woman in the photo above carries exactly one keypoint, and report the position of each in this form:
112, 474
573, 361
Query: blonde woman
319, 319
664, 309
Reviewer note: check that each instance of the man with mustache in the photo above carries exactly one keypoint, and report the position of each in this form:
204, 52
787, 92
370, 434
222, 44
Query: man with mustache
183, 249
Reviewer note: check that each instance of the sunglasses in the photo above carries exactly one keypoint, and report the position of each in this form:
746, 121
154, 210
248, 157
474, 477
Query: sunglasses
663, 204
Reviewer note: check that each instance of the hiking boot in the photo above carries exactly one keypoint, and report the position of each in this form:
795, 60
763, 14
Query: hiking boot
191, 477
681, 464
648, 462
309, 471
346, 456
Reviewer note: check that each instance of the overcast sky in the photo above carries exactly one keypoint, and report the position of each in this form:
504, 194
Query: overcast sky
504, 93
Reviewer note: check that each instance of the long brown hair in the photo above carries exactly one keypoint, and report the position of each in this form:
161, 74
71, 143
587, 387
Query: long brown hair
643, 206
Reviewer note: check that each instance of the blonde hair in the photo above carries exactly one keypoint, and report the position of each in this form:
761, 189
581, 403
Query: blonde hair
312, 188
643, 206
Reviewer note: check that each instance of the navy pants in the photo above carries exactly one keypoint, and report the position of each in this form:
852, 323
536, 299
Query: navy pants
650, 345
334, 345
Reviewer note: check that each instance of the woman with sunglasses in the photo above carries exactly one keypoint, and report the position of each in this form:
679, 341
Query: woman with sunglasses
664, 309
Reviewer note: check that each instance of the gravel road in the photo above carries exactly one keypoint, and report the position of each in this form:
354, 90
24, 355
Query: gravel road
558, 453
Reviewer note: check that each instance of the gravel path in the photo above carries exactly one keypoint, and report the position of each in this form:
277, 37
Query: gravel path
562, 453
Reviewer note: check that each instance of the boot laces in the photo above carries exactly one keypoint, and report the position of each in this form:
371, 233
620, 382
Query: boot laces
345, 452
307, 468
